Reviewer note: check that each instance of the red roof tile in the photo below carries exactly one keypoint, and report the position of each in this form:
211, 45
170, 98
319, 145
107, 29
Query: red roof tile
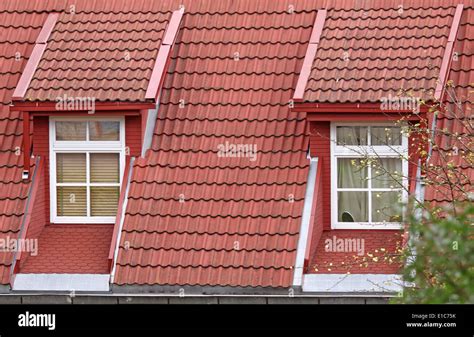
236, 225
227, 201
457, 119
19, 32
96, 55
364, 55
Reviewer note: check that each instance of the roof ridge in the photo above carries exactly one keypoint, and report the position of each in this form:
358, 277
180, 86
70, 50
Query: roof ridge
223, 135
285, 199
230, 57
250, 266
246, 250
236, 119
207, 232
220, 216
215, 183
371, 38
397, 16
109, 39
123, 30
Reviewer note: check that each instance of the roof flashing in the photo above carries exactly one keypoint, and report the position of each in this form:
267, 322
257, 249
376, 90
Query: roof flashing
35, 57
448, 53
163, 57
310, 55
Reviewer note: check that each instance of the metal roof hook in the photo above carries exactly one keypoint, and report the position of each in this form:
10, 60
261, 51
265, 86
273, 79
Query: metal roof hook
25, 175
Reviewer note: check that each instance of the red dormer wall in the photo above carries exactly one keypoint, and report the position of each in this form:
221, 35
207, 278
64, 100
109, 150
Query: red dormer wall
133, 140
320, 146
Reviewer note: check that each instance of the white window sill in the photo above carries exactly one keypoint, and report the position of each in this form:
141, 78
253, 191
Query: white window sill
381, 226
83, 220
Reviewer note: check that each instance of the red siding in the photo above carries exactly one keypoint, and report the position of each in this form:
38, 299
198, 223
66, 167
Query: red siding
379, 244
41, 148
38, 215
322, 261
78, 249
133, 135
316, 218
320, 146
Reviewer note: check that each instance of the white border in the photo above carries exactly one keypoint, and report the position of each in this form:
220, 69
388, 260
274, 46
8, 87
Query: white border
122, 220
305, 222
61, 282
350, 283
79, 146
382, 151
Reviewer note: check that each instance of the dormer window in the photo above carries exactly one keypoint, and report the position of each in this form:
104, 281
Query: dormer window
369, 175
86, 162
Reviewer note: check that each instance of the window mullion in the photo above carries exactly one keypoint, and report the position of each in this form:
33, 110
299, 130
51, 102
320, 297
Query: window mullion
88, 184
369, 186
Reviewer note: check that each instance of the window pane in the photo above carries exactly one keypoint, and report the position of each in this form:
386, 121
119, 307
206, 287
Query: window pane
104, 167
71, 201
71, 167
351, 135
104, 201
386, 206
385, 135
387, 173
351, 173
71, 131
352, 206
104, 130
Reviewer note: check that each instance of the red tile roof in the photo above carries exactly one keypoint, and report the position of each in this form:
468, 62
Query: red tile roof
236, 226
458, 118
364, 55
231, 200
19, 31
105, 56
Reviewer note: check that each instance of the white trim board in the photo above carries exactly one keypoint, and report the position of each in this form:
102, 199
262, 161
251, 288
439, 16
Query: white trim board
304, 229
61, 282
335, 283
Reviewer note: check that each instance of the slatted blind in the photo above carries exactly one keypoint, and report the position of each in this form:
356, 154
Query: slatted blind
104, 167
104, 200
71, 200
71, 167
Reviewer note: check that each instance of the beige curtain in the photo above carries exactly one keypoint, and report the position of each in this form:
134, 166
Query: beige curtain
351, 135
385, 206
352, 205
387, 173
383, 135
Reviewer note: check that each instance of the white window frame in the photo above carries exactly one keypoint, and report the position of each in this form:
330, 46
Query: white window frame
339, 151
87, 147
